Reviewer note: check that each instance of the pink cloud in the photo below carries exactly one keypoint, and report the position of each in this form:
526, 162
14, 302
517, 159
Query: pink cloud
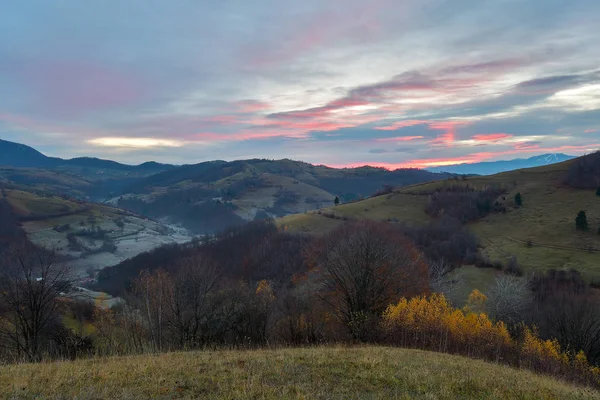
491, 137
446, 139
400, 139
591, 130
449, 137
527, 146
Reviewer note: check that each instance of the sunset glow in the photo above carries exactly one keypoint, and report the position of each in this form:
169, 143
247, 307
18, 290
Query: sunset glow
383, 83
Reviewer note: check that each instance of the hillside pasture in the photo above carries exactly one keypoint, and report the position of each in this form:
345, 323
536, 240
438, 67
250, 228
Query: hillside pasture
541, 233
317, 373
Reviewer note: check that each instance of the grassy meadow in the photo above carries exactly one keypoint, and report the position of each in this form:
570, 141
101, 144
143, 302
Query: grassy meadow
304, 373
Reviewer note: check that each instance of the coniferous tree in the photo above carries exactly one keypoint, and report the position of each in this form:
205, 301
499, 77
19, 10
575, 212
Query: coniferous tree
336, 201
581, 222
518, 199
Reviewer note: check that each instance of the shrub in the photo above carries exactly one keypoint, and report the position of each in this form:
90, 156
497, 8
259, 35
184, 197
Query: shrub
445, 239
464, 202
513, 267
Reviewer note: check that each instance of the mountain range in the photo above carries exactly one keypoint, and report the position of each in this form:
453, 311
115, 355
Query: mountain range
495, 167
208, 196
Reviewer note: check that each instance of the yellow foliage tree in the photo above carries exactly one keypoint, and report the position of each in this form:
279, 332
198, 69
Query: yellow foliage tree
430, 322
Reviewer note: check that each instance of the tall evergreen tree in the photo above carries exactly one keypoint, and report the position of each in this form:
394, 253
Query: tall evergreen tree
518, 199
336, 201
581, 222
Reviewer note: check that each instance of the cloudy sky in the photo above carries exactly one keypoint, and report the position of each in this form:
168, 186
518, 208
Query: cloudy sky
340, 82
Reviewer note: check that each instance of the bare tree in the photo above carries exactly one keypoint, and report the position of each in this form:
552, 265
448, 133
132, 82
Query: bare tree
365, 266
193, 282
174, 305
438, 276
152, 291
31, 285
509, 298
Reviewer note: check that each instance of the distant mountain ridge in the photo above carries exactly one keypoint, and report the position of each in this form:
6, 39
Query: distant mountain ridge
20, 155
495, 167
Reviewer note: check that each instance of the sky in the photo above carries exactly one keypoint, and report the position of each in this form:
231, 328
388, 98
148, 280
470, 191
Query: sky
392, 83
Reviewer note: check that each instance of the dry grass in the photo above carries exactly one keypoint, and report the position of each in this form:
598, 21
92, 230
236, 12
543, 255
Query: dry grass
310, 373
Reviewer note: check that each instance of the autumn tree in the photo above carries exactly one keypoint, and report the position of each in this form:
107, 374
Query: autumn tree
364, 267
31, 285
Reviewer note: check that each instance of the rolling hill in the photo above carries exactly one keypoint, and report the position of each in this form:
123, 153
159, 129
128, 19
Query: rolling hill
86, 236
316, 373
208, 196
541, 233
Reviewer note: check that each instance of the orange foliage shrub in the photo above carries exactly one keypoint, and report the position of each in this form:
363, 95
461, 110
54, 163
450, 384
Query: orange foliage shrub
431, 323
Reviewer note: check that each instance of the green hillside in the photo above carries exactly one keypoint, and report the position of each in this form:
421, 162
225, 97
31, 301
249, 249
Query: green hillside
305, 373
541, 233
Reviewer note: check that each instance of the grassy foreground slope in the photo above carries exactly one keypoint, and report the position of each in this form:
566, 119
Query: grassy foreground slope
314, 373
546, 220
